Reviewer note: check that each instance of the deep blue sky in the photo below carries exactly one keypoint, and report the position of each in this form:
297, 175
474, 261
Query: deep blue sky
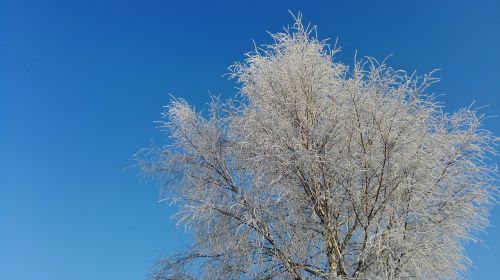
81, 83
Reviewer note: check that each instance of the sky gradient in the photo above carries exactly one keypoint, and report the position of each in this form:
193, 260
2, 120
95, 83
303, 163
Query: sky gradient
81, 83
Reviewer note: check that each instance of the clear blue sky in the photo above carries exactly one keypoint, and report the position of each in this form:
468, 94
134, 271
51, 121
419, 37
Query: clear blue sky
81, 83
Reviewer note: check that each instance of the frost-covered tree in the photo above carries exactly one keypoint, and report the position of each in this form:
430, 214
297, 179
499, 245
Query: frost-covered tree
322, 171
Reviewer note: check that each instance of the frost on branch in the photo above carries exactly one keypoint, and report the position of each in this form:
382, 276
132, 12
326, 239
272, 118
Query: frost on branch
321, 171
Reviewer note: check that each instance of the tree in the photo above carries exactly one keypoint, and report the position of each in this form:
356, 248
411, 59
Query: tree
320, 171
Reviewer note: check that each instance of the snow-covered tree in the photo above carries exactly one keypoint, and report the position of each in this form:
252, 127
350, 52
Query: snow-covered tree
318, 170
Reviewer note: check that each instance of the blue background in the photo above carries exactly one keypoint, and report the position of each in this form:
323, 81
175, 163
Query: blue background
81, 83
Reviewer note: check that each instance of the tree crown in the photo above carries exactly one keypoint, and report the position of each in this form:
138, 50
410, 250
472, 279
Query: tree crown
323, 171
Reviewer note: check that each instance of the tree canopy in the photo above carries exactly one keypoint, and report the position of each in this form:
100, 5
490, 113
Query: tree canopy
318, 170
